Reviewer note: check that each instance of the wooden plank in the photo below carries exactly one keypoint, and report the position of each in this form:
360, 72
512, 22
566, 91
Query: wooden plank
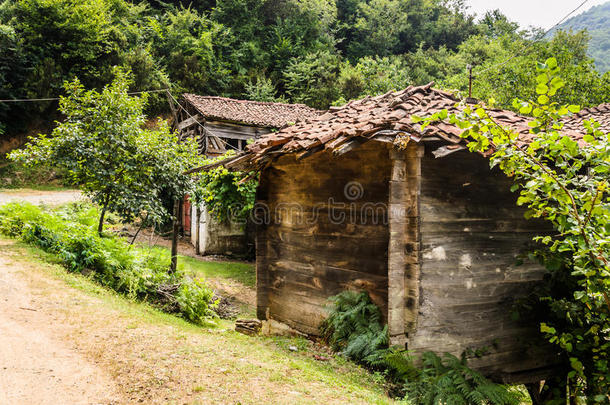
235, 131
403, 248
262, 271
195, 119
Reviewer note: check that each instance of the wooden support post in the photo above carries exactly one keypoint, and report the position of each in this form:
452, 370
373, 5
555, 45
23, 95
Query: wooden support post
404, 243
172, 107
175, 230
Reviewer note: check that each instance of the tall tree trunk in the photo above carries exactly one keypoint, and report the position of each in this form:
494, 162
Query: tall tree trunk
175, 230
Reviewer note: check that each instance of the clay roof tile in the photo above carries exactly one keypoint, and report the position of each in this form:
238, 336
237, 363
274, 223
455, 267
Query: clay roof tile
263, 114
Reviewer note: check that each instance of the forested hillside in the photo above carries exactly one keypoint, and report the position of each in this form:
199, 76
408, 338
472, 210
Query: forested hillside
597, 23
318, 52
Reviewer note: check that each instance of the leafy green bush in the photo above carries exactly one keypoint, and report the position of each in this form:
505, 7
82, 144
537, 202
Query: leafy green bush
354, 328
70, 233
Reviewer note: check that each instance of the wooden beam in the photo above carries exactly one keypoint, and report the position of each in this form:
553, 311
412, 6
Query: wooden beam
198, 230
349, 146
447, 150
189, 122
172, 107
403, 247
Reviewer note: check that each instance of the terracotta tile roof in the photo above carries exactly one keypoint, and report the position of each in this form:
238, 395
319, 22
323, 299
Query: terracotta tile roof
383, 118
386, 116
601, 114
262, 114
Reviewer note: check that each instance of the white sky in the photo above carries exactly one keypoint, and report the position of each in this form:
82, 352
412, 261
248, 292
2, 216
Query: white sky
539, 13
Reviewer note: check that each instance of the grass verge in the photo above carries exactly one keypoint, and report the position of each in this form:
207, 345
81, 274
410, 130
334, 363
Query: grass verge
243, 273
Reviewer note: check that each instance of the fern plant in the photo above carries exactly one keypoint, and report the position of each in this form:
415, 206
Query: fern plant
449, 381
354, 328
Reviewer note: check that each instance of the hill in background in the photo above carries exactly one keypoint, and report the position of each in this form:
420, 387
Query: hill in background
597, 22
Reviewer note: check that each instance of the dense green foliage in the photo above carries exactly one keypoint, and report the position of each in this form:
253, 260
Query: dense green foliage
568, 184
354, 328
228, 195
104, 147
70, 234
597, 23
313, 51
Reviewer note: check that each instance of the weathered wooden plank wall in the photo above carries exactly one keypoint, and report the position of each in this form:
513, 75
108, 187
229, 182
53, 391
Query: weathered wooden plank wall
472, 234
235, 131
322, 237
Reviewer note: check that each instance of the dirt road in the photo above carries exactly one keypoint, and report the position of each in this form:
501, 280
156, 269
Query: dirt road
40, 197
64, 340
36, 367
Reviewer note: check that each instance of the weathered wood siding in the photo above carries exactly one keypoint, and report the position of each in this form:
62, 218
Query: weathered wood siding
472, 234
326, 232
235, 131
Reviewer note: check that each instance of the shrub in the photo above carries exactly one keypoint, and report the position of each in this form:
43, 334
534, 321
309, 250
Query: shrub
70, 234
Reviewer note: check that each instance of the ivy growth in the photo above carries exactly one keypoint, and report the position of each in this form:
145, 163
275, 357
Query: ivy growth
229, 196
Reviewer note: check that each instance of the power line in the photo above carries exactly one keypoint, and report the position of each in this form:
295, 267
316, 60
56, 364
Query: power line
28, 100
131, 93
534, 41
198, 123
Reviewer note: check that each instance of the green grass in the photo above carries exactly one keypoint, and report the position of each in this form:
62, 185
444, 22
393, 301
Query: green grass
267, 361
241, 272
35, 187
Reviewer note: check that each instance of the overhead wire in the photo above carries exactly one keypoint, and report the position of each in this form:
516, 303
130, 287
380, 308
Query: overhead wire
27, 100
131, 93
540, 37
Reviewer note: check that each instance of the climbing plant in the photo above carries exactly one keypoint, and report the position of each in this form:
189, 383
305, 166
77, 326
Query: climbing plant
228, 195
565, 181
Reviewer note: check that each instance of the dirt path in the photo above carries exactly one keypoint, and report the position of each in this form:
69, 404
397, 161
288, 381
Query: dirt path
40, 197
102, 348
35, 366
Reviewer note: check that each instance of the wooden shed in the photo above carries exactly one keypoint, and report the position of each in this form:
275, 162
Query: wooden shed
361, 198
220, 124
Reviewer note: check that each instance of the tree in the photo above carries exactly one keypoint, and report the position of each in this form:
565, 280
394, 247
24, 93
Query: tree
373, 76
568, 184
105, 148
379, 27
504, 68
312, 79
261, 90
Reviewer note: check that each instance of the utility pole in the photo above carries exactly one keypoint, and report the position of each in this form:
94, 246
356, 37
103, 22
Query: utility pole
469, 67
